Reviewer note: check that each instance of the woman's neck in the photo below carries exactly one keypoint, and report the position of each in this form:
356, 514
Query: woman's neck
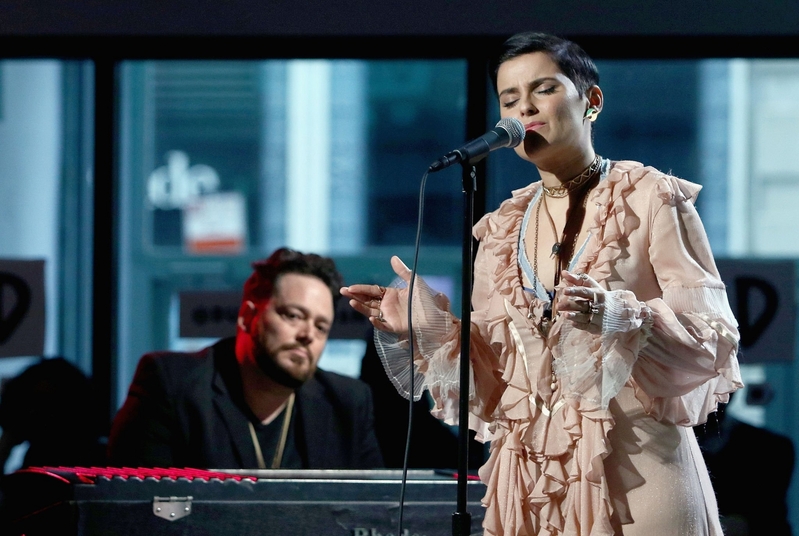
559, 172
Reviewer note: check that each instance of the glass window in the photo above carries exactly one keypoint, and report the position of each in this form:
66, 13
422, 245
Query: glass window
46, 206
45, 194
225, 161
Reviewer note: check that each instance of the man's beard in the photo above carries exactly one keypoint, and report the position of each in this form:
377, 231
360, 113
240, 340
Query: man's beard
268, 365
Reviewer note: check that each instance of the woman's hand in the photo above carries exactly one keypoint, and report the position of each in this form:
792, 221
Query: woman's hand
386, 307
582, 301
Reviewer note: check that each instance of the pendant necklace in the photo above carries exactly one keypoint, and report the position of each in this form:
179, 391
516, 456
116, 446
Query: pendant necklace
562, 251
281, 446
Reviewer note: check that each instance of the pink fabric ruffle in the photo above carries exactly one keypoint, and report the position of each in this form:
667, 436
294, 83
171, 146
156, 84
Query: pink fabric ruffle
685, 392
545, 474
612, 223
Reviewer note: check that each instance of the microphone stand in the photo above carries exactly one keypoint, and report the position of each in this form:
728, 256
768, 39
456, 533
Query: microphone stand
461, 519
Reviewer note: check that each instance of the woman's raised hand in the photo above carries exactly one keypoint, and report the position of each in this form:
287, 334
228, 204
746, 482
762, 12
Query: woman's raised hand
582, 301
386, 307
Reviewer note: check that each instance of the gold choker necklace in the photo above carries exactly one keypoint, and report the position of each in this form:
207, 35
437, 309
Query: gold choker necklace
571, 184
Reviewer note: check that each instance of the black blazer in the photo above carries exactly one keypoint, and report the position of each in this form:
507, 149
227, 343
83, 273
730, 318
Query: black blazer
188, 410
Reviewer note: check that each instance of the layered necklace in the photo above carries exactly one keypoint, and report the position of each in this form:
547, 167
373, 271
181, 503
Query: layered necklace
574, 183
578, 188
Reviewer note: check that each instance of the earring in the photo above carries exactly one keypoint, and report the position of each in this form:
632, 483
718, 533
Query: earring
591, 114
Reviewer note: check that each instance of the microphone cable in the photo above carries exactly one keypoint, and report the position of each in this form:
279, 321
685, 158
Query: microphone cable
412, 388
471, 152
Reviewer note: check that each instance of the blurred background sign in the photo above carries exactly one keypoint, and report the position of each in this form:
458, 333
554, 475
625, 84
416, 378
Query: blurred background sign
21, 308
215, 224
762, 295
209, 314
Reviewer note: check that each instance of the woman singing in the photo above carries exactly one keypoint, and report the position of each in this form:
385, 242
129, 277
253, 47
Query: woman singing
600, 333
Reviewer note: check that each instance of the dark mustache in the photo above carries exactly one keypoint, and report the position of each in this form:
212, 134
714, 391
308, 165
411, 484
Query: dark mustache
290, 347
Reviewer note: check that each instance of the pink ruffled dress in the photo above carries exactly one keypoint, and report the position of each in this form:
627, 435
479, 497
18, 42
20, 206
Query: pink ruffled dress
590, 430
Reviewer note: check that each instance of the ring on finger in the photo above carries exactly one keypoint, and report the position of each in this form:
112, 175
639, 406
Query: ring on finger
593, 309
583, 277
380, 317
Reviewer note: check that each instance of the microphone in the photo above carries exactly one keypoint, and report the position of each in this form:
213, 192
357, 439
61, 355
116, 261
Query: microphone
509, 132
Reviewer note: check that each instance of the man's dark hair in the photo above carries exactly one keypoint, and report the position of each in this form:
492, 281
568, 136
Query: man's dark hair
260, 285
570, 58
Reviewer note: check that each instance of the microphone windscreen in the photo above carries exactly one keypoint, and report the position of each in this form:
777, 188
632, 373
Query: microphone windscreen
515, 128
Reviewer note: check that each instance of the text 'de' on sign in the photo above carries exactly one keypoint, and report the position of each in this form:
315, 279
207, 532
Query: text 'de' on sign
21, 308
762, 298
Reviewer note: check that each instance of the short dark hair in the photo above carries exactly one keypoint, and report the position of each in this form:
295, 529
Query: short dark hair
570, 58
260, 285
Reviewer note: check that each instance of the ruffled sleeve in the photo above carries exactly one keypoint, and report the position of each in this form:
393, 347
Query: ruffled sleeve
437, 332
675, 336
689, 363
436, 361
